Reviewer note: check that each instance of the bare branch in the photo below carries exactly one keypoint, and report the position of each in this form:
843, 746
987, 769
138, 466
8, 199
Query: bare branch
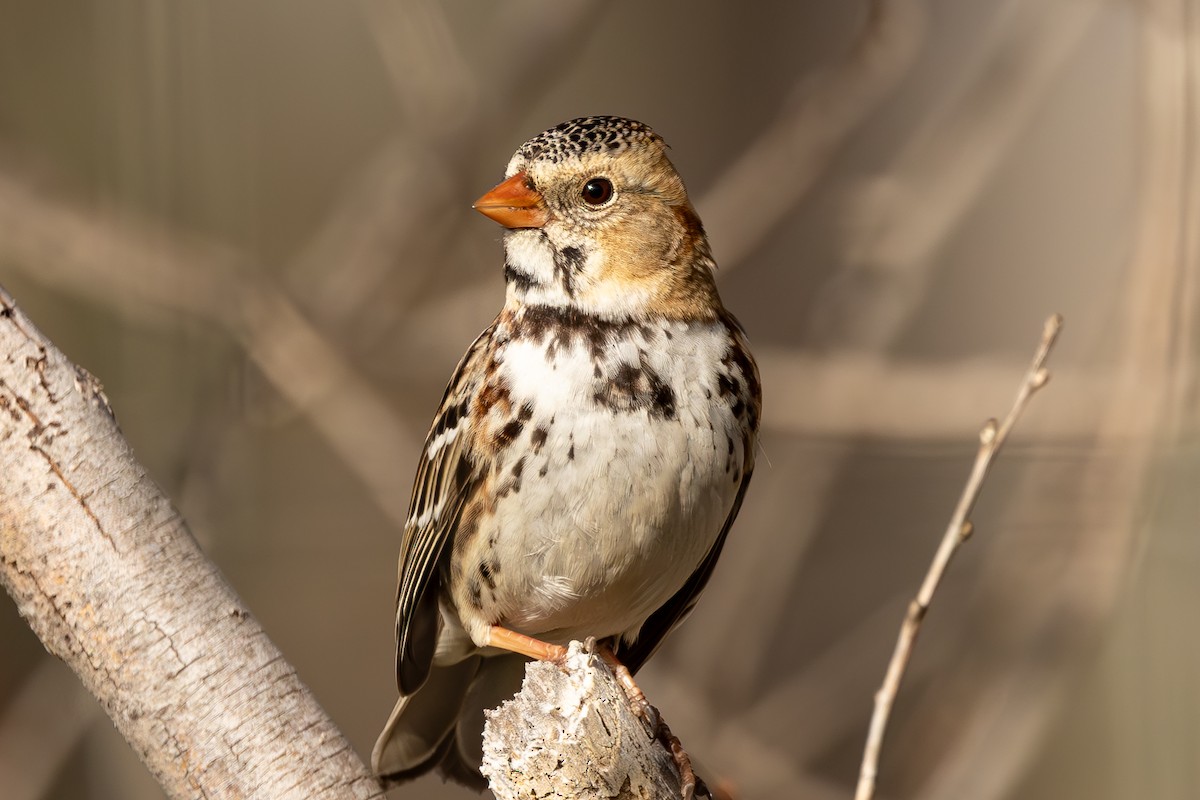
991, 439
110, 579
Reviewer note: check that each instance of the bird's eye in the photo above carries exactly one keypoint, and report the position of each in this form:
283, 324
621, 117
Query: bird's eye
597, 191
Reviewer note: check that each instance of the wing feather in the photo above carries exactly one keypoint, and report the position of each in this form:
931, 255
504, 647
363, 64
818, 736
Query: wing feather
445, 477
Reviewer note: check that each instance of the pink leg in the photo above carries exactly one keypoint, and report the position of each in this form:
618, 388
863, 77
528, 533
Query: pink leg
526, 645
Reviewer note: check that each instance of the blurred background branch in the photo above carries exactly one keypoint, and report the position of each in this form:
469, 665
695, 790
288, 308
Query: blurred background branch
150, 271
252, 221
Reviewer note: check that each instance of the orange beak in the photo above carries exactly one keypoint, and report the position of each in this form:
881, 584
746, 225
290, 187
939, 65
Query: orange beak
514, 204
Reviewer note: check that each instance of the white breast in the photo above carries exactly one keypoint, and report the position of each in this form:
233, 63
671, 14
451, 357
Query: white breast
629, 468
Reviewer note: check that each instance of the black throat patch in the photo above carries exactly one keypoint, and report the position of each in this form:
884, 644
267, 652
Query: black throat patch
560, 328
568, 263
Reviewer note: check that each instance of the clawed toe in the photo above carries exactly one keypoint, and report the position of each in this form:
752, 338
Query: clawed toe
648, 714
690, 784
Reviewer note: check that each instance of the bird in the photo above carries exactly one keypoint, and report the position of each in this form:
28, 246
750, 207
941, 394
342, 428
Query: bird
590, 452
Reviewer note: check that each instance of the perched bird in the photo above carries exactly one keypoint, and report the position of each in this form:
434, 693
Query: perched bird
591, 450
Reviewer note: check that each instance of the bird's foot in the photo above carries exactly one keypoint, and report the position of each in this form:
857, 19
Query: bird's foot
690, 783
642, 709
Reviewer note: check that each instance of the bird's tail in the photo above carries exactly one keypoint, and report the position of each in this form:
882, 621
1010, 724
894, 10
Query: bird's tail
441, 725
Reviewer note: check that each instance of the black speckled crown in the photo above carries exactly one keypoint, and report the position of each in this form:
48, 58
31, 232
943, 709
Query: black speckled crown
587, 135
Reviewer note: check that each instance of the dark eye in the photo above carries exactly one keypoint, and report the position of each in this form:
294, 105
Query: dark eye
597, 191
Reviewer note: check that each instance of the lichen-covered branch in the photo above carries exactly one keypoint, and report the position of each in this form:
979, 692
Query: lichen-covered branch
570, 733
110, 579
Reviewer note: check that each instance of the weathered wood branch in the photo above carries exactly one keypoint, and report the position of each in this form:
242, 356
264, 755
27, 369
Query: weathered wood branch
571, 734
110, 579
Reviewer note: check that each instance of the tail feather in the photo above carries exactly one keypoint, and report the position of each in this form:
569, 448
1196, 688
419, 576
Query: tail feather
498, 680
441, 725
415, 737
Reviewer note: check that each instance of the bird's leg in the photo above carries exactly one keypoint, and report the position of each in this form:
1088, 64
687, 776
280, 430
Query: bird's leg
658, 728
637, 698
526, 645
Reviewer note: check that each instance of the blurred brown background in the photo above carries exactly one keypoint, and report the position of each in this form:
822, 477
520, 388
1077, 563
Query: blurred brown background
251, 220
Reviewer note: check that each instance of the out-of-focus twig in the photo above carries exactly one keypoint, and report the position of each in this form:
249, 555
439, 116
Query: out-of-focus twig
897, 223
145, 272
397, 216
1161, 293
992, 438
40, 728
764, 183
854, 394
433, 80
380, 229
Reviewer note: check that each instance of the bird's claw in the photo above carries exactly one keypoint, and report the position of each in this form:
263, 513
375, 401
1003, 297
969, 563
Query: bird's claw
649, 715
690, 784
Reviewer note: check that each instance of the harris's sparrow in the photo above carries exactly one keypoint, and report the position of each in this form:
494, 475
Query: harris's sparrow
590, 453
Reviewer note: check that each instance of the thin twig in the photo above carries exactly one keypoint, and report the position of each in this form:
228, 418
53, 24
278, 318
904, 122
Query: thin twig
991, 439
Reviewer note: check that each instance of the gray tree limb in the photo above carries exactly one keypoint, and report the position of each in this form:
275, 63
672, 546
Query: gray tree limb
110, 579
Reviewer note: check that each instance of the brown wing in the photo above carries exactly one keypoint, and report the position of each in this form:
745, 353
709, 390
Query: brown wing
443, 484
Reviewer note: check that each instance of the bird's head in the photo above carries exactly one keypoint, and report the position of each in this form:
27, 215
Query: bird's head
598, 220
